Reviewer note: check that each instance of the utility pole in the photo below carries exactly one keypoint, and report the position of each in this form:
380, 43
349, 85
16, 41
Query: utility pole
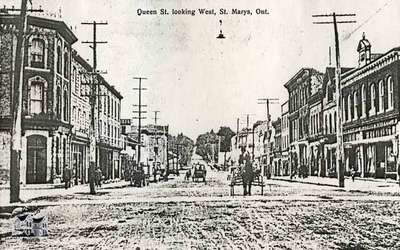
166, 146
339, 104
237, 132
140, 112
16, 107
93, 161
156, 145
268, 101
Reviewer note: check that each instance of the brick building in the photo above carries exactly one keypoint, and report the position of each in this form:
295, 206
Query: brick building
285, 137
370, 95
80, 114
299, 88
46, 97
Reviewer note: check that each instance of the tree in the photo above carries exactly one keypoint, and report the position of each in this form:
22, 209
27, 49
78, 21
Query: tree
206, 145
183, 145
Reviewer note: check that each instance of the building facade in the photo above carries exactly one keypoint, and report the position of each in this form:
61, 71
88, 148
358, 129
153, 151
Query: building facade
46, 97
108, 125
370, 95
299, 89
285, 138
80, 118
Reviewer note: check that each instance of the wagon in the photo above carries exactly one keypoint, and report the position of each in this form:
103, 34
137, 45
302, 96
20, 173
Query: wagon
199, 172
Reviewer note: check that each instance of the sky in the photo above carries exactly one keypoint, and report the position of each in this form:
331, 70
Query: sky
198, 82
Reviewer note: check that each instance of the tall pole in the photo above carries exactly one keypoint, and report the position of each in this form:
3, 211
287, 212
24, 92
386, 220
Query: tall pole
93, 99
16, 100
237, 133
16, 123
140, 117
339, 104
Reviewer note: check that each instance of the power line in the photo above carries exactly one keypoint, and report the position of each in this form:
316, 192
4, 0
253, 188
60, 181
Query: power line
339, 125
94, 93
139, 117
366, 21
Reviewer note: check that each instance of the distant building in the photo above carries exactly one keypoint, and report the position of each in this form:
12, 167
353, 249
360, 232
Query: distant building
80, 117
285, 137
299, 88
108, 125
277, 163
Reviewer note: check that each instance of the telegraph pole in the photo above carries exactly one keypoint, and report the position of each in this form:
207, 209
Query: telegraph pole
93, 100
156, 145
16, 107
339, 104
267, 102
140, 112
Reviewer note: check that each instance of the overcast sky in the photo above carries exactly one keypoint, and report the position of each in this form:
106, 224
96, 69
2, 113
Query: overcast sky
199, 82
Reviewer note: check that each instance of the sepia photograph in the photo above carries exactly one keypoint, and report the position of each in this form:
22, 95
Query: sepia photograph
198, 124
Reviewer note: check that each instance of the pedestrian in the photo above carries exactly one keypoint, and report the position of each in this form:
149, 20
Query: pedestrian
67, 177
353, 173
98, 176
398, 173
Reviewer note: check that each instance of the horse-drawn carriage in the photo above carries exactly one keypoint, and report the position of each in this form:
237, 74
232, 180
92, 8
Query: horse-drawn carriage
138, 178
199, 172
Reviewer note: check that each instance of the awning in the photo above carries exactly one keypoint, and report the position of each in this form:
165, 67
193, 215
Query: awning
387, 138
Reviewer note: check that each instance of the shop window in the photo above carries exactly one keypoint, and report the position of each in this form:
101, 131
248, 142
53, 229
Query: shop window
37, 53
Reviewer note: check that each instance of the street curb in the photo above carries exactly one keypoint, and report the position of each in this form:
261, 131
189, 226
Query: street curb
305, 182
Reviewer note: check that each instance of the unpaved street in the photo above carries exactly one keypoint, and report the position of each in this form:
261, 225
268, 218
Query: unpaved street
184, 215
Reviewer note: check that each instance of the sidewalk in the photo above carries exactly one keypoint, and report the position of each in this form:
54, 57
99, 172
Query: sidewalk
359, 184
29, 192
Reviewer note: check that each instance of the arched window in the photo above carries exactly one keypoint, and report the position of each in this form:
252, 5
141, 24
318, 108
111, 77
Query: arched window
73, 114
334, 121
66, 63
58, 105
330, 124
350, 107
381, 96
59, 59
363, 100
75, 80
36, 97
37, 53
355, 104
390, 92
65, 107
373, 100
326, 124
79, 120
